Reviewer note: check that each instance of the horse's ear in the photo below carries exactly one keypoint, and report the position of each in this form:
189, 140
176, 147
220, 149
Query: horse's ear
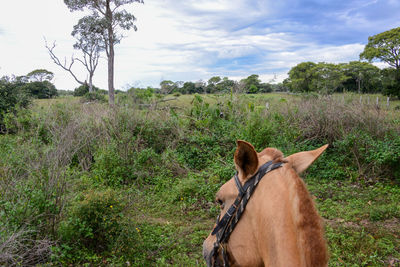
246, 160
302, 160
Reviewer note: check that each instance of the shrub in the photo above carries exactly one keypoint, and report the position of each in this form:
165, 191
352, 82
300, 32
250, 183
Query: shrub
41, 90
12, 95
84, 89
92, 222
94, 96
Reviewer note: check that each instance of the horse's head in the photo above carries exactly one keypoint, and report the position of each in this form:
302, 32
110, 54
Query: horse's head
272, 219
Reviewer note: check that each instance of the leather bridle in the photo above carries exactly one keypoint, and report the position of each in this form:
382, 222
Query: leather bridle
227, 224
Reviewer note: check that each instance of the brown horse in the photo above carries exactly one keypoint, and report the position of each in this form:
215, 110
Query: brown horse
280, 225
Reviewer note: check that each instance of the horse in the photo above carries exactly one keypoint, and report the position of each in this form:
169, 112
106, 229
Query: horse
267, 217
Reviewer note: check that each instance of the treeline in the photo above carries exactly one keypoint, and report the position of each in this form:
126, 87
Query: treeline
355, 76
323, 78
250, 85
36, 84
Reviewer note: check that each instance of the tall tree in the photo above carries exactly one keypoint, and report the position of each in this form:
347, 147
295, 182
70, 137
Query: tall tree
300, 77
40, 75
327, 78
385, 47
111, 18
89, 39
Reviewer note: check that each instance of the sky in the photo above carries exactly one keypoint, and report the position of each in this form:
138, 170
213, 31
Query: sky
194, 40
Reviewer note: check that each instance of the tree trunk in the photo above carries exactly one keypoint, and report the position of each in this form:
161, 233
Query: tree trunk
109, 17
111, 101
90, 83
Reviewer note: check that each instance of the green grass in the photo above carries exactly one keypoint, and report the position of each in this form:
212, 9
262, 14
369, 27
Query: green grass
362, 221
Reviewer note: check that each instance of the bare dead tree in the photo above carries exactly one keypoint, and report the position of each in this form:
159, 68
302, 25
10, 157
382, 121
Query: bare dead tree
90, 60
64, 65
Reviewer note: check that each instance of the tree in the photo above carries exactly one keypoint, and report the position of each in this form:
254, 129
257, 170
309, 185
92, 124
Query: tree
212, 84
89, 40
88, 33
390, 82
107, 14
200, 87
363, 77
226, 85
40, 75
327, 78
385, 47
300, 77
167, 86
252, 84
37, 84
265, 88
189, 88
64, 64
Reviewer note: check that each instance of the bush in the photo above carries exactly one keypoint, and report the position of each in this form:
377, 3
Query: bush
94, 96
41, 90
92, 222
84, 89
12, 95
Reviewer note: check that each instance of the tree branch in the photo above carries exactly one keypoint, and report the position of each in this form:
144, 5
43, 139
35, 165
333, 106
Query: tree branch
64, 66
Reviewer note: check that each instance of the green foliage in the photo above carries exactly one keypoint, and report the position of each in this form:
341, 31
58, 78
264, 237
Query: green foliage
41, 90
40, 75
65, 92
300, 77
391, 82
84, 89
363, 77
136, 187
92, 223
142, 95
12, 96
385, 47
251, 84
19, 120
326, 78
189, 88
95, 96
167, 86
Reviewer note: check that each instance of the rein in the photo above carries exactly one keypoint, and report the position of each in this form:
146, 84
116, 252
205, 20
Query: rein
227, 224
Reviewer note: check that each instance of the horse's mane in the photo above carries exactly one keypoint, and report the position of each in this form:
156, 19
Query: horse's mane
310, 228
308, 221
273, 154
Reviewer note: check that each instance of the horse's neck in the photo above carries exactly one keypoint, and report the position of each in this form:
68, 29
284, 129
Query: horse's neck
290, 228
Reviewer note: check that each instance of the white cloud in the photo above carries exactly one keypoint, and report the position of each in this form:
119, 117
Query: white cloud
189, 40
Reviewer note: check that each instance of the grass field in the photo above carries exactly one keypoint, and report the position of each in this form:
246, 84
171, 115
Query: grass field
83, 185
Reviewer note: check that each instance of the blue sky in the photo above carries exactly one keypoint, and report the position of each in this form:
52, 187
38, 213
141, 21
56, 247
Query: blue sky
197, 39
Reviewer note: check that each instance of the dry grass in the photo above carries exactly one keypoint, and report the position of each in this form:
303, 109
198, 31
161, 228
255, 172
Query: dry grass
20, 249
329, 119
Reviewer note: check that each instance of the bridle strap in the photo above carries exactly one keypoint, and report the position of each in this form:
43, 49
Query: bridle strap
245, 190
227, 224
239, 184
